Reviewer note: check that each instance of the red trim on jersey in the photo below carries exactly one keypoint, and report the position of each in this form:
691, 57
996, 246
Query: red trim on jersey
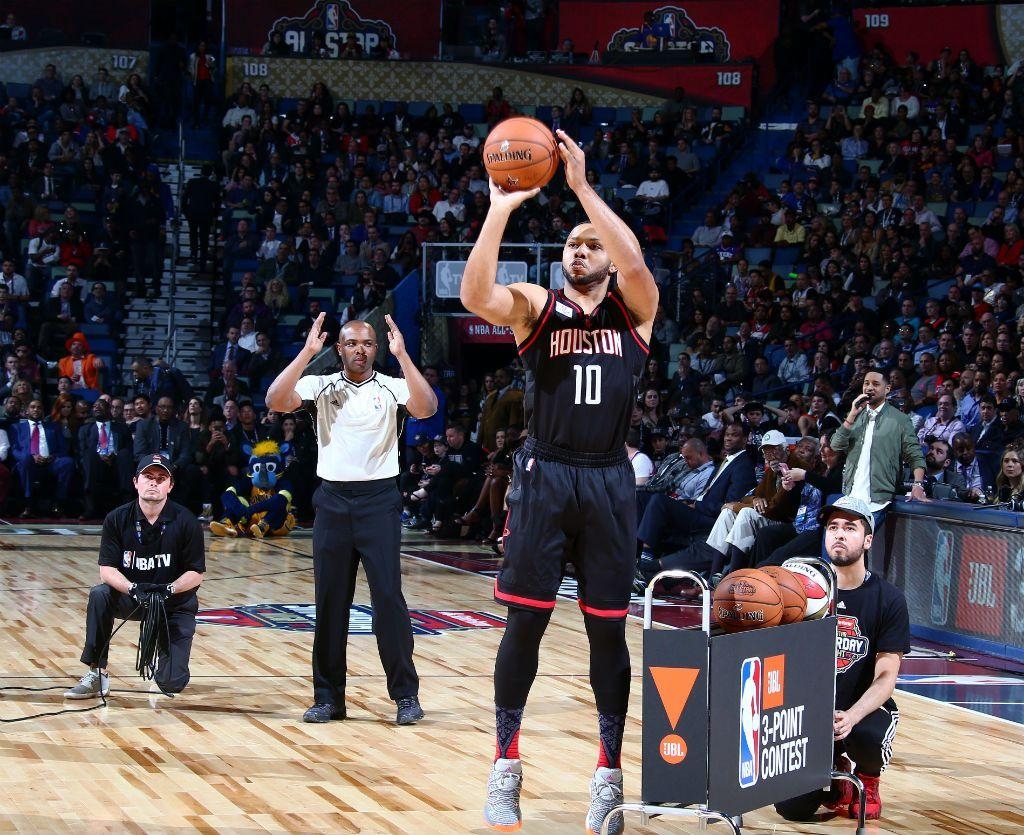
629, 320
603, 613
570, 302
545, 314
521, 601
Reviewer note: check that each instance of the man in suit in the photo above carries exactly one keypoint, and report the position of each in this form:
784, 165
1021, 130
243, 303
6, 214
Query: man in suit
230, 351
668, 524
164, 434
159, 379
41, 460
61, 320
228, 387
105, 450
988, 437
201, 199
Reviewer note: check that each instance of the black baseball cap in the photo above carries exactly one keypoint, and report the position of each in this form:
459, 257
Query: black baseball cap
155, 460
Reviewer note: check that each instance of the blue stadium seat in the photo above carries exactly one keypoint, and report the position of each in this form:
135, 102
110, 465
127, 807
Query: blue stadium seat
472, 112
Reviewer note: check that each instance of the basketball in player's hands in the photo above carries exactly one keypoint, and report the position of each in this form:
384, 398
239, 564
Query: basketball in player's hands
520, 153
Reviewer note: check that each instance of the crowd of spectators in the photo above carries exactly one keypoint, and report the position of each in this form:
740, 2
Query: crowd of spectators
885, 237
320, 206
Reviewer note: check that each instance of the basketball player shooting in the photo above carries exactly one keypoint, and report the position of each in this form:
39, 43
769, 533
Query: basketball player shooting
572, 496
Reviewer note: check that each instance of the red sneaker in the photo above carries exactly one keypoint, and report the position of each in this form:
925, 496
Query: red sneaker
842, 790
872, 799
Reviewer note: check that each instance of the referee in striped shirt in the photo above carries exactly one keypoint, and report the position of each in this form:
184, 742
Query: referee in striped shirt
358, 505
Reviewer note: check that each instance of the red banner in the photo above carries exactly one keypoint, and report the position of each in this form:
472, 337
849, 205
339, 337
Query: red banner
732, 84
698, 31
982, 583
122, 24
474, 329
982, 30
414, 31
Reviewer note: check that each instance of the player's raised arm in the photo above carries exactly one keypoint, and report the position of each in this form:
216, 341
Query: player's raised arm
515, 305
634, 278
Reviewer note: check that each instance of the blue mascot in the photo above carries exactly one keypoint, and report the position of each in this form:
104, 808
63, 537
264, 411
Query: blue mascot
266, 508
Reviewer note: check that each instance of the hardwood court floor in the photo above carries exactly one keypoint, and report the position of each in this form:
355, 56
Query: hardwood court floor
230, 755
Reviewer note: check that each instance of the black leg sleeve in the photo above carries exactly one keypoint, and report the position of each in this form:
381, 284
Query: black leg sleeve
609, 663
515, 666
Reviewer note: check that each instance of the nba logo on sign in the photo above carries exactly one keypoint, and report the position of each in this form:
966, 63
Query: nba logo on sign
332, 17
750, 720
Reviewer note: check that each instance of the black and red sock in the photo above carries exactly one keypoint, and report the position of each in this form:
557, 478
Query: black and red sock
507, 722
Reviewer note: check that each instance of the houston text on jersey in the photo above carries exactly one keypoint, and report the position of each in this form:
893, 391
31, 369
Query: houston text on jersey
579, 341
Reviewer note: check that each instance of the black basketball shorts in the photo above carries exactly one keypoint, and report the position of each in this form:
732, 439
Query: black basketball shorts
578, 509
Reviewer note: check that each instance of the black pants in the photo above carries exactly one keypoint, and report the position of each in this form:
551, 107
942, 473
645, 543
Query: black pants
775, 545
199, 238
869, 745
359, 520
668, 525
105, 604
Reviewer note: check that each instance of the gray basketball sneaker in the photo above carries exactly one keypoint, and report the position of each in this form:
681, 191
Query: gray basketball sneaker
502, 809
91, 686
605, 795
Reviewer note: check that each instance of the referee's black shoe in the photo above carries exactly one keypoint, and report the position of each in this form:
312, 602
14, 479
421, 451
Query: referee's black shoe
409, 711
321, 713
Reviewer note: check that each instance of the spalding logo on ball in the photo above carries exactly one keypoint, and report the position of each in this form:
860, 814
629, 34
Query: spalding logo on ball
747, 599
520, 153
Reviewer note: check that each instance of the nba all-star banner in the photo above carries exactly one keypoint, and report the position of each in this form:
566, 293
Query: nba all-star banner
992, 32
697, 31
414, 28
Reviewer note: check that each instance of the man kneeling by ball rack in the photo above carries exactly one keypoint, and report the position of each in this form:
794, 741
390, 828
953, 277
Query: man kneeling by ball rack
874, 633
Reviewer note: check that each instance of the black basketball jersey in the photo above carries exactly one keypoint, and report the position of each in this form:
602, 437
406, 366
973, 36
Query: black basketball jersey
582, 373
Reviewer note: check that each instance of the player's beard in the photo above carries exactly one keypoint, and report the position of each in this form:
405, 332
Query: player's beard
846, 558
581, 282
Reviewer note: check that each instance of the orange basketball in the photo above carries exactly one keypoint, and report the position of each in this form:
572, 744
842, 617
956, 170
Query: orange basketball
520, 153
794, 598
747, 599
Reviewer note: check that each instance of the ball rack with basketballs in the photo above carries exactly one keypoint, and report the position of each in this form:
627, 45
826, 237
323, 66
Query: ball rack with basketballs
739, 714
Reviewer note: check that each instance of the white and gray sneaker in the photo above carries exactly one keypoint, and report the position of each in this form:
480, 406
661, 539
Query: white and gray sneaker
605, 795
502, 809
91, 686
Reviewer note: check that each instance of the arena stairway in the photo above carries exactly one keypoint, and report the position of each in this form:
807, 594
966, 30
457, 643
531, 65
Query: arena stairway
146, 320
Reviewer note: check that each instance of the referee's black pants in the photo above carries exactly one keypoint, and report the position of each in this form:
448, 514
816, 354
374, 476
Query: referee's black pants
105, 604
359, 520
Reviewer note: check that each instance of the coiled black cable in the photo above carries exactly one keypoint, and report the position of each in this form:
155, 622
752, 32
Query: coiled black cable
154, 637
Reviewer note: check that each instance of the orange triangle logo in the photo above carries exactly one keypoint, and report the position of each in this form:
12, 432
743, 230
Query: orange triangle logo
674, 685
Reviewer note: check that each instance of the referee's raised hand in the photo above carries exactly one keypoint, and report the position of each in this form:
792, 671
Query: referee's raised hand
396, 342
316, 338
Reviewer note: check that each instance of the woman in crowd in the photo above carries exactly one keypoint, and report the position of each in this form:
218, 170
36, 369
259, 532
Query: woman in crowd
1010, 481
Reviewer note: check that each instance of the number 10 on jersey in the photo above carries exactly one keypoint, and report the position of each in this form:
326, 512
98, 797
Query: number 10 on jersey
588, 384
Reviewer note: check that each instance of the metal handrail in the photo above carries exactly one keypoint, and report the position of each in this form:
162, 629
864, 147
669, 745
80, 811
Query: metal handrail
171, 342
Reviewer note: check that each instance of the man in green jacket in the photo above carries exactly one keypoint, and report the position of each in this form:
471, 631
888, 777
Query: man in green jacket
878, 439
